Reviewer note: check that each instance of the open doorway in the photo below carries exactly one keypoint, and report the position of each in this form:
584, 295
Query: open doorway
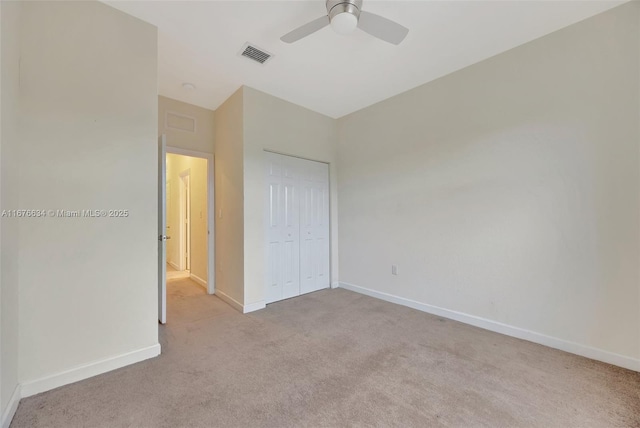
188, 215
179, 248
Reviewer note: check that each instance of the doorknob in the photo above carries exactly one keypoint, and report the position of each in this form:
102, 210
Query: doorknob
163, 237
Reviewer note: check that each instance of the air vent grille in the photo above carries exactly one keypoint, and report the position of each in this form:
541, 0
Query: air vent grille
256, 54
180, 122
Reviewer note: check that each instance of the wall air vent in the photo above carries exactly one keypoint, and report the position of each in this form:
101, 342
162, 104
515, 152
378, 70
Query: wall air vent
254, 53
180, 122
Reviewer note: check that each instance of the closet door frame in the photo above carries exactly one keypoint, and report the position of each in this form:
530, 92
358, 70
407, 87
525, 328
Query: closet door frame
267, 220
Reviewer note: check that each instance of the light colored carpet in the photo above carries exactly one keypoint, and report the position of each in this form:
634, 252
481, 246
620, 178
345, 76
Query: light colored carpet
173, 273
180, 288
336, 358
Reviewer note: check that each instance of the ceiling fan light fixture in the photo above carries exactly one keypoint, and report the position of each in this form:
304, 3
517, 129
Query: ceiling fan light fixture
344, 23
344, 15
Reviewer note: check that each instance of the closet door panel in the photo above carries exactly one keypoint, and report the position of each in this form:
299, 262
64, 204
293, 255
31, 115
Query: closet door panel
273, 262
290, 230
315, 227
283, 230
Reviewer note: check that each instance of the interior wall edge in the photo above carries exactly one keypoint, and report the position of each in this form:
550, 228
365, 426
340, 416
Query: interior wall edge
230, 300
252, 307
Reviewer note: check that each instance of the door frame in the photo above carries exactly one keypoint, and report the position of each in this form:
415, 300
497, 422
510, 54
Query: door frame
184, 231
162, 229
209, 157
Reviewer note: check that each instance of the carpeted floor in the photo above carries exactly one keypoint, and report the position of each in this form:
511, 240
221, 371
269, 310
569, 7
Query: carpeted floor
336, 358
173, 273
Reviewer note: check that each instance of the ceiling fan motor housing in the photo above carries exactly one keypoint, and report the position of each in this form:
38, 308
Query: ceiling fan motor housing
335, 7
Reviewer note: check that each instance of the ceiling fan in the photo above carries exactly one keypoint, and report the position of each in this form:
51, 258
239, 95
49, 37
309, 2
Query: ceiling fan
347, 15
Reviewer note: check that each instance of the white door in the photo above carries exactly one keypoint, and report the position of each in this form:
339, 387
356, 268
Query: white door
162, 223
314, 227
185, 220
297, 252
187, 186
283, 229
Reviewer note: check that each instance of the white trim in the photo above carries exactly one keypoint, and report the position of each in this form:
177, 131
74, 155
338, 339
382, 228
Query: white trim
230, 300
275, 152
252, 307
199, 280
335, 284
88, 370
211, 218
190, 153
162, 229
498, 327
12, 406
211, 210
245, 309
175, 266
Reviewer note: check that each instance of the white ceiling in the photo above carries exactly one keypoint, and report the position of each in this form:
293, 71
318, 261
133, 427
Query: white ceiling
332, 74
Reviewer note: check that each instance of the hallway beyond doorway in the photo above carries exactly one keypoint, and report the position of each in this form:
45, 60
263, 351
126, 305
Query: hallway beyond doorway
179, 288
173, 273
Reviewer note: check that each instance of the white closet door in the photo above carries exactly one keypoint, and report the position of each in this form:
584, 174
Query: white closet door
290, 229
314, 226
297, 222
283, 229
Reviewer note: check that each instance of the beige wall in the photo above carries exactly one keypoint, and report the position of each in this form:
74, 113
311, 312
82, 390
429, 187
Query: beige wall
197, 169
274, 124
229, 218
9, 157
88, 286
508, 190
202, 140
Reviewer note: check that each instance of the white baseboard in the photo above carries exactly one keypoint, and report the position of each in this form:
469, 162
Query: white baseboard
520, 333
230, 300
199, 280
252, 307
88, 370
175, 266
245, 309
335, 284
12, 406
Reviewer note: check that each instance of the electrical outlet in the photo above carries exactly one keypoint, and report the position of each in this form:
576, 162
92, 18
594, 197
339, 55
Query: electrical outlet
394, 269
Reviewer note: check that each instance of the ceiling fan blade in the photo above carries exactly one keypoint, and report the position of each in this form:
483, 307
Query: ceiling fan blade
305, 30
382, 28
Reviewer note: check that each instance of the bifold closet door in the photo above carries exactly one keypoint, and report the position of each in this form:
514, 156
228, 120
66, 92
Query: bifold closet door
314, 227
297, 222
283, 228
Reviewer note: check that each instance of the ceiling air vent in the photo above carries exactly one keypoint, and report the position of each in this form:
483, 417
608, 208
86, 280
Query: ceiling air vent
254, 53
